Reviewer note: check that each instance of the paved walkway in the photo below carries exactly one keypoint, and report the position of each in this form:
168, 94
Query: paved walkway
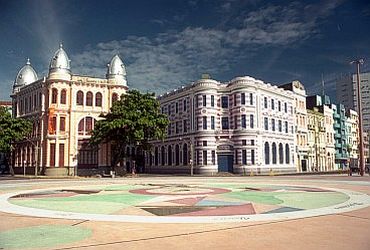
330, 212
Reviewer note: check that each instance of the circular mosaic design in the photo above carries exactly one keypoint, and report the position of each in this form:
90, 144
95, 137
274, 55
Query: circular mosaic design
173, 203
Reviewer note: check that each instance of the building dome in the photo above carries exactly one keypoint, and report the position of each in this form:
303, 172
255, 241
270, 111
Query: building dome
116, 70
60, 61
26, 75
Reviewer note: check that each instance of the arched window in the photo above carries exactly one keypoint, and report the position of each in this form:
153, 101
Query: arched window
89, 99
281, 154
274, 155
169, 155
267, 153
86, 125
156, 156
63, 96
287, 154
163, 156
98, 99
54, 95
185, 155
177, 155
114, 97
80, 98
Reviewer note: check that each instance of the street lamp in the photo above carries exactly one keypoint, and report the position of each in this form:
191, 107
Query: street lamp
358, 62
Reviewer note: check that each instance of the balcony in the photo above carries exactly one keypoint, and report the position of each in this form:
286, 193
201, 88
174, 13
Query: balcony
336, 115
338, 145
336, 125
337, 135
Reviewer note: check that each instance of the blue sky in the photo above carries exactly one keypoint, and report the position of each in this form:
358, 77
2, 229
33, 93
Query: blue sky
168, 43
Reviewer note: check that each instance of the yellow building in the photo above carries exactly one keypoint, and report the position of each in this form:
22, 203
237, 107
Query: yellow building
64, 108
316, 140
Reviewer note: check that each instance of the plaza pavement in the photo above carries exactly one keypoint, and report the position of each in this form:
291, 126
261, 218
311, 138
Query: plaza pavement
349, 230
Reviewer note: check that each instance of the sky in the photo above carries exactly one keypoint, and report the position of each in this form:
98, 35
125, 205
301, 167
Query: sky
165, 44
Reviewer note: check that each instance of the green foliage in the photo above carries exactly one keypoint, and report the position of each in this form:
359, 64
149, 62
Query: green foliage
12, 130
135, 119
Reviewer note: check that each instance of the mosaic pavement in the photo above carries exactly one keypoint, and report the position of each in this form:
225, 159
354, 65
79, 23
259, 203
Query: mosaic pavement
175, 203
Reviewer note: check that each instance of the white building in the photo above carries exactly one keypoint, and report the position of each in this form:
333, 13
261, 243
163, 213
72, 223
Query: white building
241, 126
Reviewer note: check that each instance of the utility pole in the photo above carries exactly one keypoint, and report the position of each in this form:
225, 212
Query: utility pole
358, 62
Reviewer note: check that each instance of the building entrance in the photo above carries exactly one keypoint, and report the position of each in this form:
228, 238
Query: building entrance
225, 163
87, 155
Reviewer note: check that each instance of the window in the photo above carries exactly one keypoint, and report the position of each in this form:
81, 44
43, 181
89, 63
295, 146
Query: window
213, 153
177, 107
225, 122
244, 142
281, 153
156, 156
98, 99
224, 101
267, 153
234, 99
163, 156
251, 98
185, 128
212, 122
54, 96
242, 98
204, 143
204, 122
273, 124
274, 155
185, 154
272, 104
169, 109
252, 156
89, 99
177, 155
235, 122
80, 98
177, 127
184, 105
279, 105
286, 127
285, 107
53, 125
287, 154
114, 97
244, 157
266, 123
244, 121
251, 121
61, 154
86, 125
169, 155
63, 97
197, 101
212, 100
204, 157
280, 126
265, 102
62, 124
52, 154
252, 142
204, 100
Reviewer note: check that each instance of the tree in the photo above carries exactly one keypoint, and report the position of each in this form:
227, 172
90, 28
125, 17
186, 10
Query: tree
11, 131
135, 120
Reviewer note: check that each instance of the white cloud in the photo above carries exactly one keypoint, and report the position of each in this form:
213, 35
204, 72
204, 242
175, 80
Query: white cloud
173, 58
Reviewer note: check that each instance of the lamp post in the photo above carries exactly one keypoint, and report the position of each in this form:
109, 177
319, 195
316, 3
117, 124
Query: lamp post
358, 62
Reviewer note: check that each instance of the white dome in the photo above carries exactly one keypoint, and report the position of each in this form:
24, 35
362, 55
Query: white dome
116, 67
60, 61
26, 75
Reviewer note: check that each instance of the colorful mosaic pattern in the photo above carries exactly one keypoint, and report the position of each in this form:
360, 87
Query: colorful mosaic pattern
212, 199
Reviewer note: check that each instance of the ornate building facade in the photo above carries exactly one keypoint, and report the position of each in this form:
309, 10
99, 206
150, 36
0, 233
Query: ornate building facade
241, 126
63, 108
